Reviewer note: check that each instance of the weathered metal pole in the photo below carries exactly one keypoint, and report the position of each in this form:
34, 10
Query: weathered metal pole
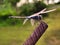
36, 34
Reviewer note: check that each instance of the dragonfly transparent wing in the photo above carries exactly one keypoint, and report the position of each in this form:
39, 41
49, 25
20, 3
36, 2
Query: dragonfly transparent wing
38, 13
48, 11
41, 11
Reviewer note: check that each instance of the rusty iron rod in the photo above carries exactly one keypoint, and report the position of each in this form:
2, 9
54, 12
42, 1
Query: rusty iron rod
36, 34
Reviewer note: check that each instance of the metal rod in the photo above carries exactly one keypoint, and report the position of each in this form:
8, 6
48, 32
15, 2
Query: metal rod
36, 34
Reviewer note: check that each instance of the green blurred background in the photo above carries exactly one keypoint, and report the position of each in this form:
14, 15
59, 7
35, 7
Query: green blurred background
12, 32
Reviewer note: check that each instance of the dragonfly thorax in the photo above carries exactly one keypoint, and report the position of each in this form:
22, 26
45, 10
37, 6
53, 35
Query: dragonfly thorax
39, 17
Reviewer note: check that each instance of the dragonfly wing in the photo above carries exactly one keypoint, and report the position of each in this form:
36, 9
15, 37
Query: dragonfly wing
25, 21
38, 13
42, 10
48, 11
32, 22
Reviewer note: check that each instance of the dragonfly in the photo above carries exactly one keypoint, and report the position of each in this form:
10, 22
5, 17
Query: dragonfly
36, 16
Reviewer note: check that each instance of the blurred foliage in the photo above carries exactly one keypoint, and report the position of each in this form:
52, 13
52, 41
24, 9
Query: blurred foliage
57, 3
31, 8
7, 9
13, 2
